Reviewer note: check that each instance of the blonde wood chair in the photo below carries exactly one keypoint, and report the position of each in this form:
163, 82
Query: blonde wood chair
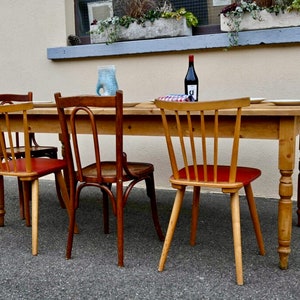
36, 151
97, 171
196, 166
27, 169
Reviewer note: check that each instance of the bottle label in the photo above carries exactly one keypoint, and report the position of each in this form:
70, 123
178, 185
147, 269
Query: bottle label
192, 92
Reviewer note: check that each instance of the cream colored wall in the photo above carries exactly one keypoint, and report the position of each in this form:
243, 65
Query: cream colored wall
29, 27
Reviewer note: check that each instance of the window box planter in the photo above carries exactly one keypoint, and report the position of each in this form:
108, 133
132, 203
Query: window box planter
265, 21
161, 28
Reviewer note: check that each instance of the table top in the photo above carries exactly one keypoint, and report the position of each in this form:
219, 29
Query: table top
149, 108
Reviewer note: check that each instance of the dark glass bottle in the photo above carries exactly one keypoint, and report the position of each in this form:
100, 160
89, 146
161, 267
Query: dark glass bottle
191, 82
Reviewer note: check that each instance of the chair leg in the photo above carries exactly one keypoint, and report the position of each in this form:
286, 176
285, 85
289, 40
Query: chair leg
70, 232
69, 203
195, 214
237, 240
35, 215
105, 212
171, 227
150, 186
58, 192
2, 210
255, 218
21, 199
26, 191
53, 155
66, 198
120, 222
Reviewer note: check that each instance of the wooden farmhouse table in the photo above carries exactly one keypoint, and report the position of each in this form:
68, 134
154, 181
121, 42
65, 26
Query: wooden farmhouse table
259, 121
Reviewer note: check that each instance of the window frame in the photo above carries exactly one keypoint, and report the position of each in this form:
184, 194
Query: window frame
255, 38
206, 37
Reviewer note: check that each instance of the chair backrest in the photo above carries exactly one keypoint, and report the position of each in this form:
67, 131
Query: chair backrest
184, 121
76, 108
9, 98
7, 143
16, 97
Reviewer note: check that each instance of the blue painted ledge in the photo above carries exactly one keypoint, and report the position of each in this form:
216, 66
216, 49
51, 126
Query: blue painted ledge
196, 42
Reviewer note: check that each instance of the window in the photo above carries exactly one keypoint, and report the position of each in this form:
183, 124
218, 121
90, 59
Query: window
207, 12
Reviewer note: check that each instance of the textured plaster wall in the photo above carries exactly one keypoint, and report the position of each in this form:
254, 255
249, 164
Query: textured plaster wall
29, 27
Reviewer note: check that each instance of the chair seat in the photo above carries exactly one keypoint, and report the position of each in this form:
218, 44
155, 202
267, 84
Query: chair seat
41, 166
36, 151
244, 175
109, 174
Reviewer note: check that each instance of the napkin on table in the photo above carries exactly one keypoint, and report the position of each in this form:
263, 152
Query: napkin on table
175, 98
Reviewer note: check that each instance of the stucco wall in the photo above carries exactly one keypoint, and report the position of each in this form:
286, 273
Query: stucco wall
29, 27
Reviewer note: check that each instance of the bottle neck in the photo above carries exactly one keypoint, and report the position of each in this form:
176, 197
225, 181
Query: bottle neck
191, 60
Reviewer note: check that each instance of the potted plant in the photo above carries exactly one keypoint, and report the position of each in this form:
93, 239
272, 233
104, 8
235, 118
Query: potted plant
244, 15
143, 19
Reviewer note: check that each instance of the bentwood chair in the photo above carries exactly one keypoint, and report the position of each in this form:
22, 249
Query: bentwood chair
96, 171
28, 169
196, 166
36, 151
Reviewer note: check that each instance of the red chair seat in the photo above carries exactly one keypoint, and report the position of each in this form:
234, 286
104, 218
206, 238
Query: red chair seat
41, 166
243, 174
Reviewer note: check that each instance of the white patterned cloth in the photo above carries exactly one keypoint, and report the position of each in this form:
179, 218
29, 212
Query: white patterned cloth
175, 98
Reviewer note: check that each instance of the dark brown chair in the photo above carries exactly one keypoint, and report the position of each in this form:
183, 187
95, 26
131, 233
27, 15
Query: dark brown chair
195, 165
28, 169
98, 172
36, 151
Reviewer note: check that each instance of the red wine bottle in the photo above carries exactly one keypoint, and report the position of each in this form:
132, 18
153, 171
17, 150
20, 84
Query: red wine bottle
191, 81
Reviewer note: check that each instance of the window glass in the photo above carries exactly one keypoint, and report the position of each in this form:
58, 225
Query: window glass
198, 8
207, 12
82, 17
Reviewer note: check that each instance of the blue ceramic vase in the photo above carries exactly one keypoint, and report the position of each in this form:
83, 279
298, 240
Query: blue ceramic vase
107, 83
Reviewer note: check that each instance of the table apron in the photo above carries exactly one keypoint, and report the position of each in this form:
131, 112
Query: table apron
253, 127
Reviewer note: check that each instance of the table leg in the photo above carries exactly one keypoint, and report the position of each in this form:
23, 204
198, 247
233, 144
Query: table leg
285, 210
286, 161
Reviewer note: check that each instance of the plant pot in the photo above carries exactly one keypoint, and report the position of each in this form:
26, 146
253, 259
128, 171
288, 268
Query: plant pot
267, 20
160, 28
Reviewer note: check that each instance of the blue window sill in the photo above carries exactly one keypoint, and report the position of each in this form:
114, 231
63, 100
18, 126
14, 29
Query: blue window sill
196, 42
